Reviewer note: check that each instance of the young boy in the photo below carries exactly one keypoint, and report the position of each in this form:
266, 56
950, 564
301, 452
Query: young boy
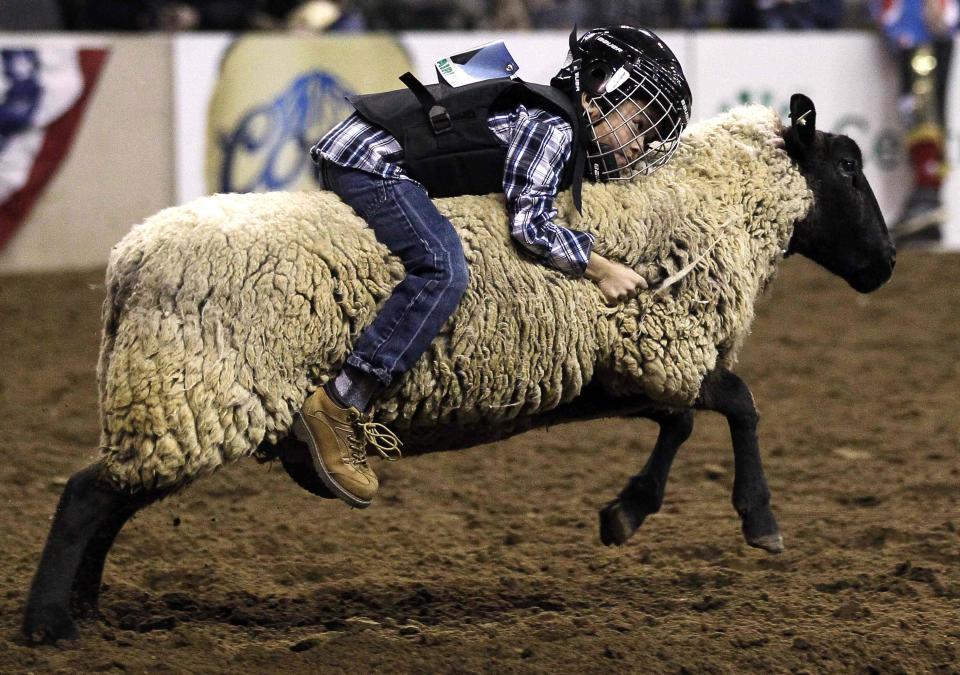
614, 111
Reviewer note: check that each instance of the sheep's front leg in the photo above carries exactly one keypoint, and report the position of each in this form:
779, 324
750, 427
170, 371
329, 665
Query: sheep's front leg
643, 494
724, 392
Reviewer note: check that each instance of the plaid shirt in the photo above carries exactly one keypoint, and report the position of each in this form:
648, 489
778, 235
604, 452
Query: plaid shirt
538, 147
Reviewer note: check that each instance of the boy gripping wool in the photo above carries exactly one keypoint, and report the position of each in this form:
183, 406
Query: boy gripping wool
618, 107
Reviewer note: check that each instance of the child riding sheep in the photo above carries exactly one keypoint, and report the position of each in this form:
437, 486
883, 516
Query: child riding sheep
614, 111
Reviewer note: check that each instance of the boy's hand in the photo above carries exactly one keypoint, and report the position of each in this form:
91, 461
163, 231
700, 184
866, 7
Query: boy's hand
617, 282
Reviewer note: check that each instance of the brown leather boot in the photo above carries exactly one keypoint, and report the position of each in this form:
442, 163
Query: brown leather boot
338, 438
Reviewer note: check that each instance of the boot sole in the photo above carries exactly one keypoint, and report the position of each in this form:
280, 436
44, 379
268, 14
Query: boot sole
300, 430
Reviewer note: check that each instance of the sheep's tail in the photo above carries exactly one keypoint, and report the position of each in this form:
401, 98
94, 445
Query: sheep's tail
677, 276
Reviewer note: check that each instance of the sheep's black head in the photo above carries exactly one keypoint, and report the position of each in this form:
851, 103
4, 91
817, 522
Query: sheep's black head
844, 231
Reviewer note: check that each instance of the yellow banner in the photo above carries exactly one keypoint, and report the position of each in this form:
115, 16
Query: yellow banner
277, 95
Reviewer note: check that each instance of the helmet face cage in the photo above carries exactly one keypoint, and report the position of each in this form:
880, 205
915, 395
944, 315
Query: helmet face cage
637, 130
636, 100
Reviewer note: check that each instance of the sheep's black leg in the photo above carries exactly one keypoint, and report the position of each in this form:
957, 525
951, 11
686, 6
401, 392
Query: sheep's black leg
85, 509
643, 495
725, 393
86, 585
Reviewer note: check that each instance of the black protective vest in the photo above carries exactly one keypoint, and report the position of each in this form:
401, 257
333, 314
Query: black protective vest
443, 130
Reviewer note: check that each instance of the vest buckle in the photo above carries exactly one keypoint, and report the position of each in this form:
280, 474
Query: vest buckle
439, 120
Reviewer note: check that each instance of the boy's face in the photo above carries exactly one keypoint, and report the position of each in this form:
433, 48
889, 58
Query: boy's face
624, 132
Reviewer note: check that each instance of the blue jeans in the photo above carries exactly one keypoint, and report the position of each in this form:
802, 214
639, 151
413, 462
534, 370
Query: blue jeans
404, 220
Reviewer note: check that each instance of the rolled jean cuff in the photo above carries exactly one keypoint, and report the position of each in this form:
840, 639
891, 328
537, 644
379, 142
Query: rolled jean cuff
382, 375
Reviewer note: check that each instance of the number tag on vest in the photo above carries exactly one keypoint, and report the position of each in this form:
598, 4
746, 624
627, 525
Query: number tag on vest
486, 62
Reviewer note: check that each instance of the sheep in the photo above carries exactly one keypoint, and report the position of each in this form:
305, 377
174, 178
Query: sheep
223, 314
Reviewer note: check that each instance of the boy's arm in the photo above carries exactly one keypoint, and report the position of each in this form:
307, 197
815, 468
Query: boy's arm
536, 156
535, 161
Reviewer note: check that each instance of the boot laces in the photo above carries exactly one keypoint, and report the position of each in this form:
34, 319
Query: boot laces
375, 435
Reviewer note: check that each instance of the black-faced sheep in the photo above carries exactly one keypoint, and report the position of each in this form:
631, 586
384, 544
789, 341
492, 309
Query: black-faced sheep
221, 316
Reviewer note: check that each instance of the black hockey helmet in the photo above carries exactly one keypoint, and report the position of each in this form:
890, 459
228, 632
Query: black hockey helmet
610, 66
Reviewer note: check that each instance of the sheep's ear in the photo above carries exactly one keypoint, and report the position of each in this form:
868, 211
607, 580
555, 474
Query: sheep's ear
803, 116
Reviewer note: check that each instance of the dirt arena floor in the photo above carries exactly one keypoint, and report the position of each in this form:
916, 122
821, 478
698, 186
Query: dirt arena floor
489, 559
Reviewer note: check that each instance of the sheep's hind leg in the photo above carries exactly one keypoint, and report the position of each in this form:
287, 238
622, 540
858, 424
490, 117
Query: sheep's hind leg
643, 494
724, 392
85, 510
86, 585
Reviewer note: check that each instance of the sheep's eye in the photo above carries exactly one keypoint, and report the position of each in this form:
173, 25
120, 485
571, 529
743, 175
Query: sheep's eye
848, 165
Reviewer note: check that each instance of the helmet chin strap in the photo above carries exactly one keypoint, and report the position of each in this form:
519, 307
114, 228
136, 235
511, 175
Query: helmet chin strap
579, 164
601, 167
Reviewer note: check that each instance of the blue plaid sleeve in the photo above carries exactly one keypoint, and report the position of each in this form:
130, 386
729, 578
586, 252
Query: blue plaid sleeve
357, 144
537, 153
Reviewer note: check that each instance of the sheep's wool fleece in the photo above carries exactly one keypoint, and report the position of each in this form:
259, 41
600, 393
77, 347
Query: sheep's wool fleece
222, 315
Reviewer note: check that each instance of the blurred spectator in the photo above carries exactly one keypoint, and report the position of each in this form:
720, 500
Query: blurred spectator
26, 15
393, 15
646, 13
921, 33
536, 14
126, 15
786, 14
510, 15
314, 16
423, 14
706, 13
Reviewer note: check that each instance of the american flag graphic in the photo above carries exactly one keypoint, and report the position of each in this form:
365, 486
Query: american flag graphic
43, 93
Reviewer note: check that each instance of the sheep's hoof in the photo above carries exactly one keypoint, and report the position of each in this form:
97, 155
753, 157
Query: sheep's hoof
771, 543
760, 530
618, 522
48, 625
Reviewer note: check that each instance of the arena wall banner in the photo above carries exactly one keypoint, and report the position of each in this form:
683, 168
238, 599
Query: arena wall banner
196, 68
44, 90
119, 168
272, 98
